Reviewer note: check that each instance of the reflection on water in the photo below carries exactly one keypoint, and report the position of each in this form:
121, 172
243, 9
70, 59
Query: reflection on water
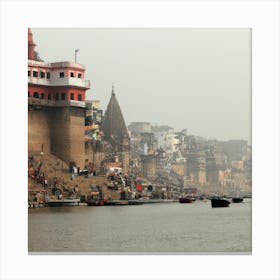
171, 227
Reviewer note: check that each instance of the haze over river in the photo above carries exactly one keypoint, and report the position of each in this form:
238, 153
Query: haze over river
164, 227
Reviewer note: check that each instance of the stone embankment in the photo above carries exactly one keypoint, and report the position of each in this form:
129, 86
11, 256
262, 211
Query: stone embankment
56, 172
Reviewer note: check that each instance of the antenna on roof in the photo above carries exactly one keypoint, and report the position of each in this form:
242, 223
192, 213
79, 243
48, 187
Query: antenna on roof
76, 50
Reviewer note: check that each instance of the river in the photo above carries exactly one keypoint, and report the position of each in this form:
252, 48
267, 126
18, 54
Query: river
149, 228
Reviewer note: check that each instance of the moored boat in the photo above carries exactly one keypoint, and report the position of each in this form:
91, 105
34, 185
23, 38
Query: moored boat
187, 199
95, 202
237, 199
219, 202
134, 202
115, 202
63, 202
94, 199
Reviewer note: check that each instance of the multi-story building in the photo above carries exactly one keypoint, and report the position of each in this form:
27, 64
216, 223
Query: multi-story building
56, 107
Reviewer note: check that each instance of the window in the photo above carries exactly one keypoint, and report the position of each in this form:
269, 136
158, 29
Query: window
61, 74
79, 75
42, 75
56, 96
49, 96
42, 96
48, 75
72, 74
28, 94
35, 74
35, 95
79, 97
28, 73
72, 96
63, 96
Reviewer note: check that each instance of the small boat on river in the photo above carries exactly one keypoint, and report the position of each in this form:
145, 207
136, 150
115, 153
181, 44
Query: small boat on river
115, 202
63, 202
219, 202
94, 199
187, 199
237, 199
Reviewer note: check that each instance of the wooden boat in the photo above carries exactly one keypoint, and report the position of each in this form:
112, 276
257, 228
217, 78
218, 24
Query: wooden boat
63, 202
219, 202
94, 199
95, 202
135, 202
237, 199
115, 202
187, 199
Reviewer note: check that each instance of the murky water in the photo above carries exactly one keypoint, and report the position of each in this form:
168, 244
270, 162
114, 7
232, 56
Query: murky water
171, 227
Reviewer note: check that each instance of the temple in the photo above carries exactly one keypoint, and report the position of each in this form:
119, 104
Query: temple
115, 131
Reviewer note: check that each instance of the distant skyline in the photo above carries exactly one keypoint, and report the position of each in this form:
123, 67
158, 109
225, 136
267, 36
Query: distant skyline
194, 79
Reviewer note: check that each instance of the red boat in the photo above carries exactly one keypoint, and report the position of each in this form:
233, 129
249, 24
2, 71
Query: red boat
186, 199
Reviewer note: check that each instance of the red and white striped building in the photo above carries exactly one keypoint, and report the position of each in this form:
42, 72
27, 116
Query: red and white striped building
59, 83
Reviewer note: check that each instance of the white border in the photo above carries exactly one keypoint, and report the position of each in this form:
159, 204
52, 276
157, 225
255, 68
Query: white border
262, 16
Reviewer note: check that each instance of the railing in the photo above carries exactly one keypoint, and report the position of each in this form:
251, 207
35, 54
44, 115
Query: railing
39, 81
55, 103
70, 82
76, 82
37, 101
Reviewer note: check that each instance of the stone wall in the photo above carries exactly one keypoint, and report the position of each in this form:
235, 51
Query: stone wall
61, 130
39, 131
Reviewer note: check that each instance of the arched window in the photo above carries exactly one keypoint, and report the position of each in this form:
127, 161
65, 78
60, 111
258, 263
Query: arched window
63, 96
49, 96
56, 96
28, 94
36, 95
42, 96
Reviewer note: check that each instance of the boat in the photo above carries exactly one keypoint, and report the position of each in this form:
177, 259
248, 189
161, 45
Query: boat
187, 199
115, 202
219, 202
95, 202
237, 199
94, 199
63, 202
148, 201
135, 202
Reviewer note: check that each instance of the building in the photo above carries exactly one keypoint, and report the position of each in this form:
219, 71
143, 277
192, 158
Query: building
116, 133
139, 127
56, 107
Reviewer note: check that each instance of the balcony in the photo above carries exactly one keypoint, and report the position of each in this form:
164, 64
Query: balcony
55, 103
75, 82
38, 81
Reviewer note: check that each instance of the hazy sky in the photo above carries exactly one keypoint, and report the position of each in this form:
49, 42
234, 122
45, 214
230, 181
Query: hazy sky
198, 79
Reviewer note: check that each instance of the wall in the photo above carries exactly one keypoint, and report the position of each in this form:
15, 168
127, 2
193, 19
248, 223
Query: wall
61, 130
39, 131
67, 138
148, 166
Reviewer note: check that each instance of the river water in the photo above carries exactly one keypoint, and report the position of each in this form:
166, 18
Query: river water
149, 228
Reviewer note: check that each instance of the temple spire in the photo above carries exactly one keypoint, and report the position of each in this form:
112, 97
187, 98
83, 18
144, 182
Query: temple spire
31, 45
113, 89
114, 126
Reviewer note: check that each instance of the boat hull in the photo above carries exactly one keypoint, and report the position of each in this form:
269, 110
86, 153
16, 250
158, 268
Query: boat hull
219, 202
186, 200
115, 202
95, 203
65, 202
237, 199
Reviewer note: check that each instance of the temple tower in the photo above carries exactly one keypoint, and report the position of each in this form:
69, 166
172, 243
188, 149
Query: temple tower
115, 130
31, 45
